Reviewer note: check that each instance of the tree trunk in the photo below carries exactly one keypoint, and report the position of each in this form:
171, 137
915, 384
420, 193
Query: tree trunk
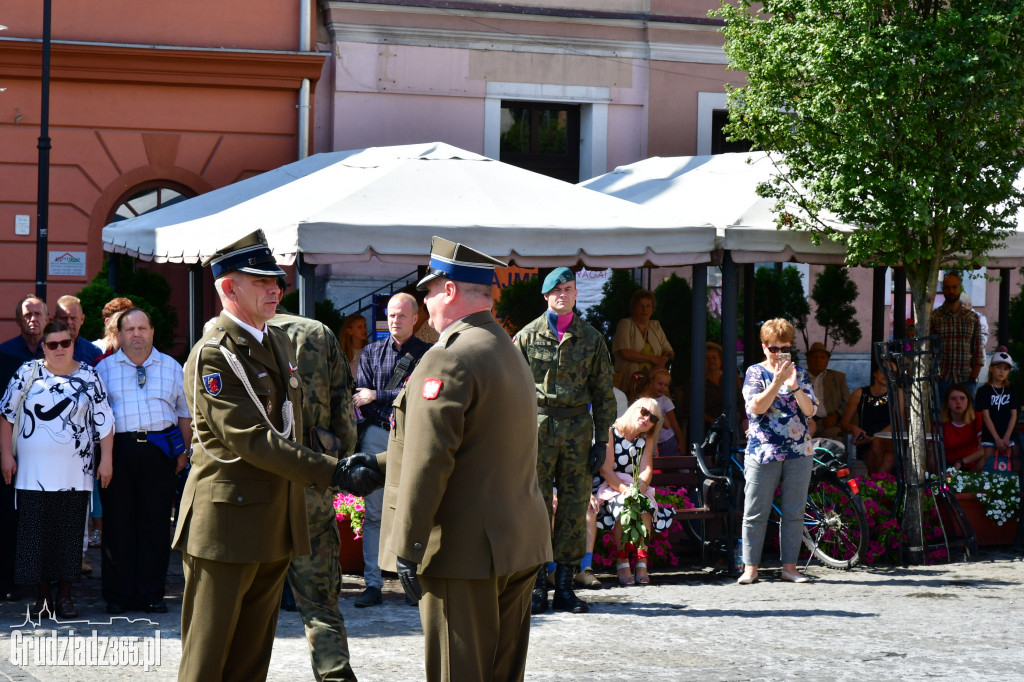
922, 293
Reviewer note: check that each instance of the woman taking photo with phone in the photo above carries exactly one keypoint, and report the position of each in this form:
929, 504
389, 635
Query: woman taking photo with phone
52, 411
779, 400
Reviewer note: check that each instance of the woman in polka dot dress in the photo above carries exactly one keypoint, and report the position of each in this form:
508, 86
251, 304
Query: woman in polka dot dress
631, 445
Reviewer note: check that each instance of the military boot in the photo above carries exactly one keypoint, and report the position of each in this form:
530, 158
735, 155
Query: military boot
565, 599
540, 591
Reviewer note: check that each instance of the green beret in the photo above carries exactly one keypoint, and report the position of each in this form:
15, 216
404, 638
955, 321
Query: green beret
556, 277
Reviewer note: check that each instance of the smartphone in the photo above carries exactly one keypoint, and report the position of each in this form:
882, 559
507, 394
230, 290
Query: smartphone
785, 357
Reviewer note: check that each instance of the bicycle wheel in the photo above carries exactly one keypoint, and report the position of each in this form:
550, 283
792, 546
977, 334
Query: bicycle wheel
835, 526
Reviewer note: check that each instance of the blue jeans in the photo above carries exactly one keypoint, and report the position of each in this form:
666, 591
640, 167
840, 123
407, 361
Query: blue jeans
759, 492
375, 440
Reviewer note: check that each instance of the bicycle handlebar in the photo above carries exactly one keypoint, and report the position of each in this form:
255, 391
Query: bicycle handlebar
711, 440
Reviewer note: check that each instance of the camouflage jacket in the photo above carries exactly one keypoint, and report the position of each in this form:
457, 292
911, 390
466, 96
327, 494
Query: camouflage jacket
327, 384
575, 371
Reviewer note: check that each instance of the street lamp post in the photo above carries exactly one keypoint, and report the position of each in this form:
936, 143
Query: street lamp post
43, 194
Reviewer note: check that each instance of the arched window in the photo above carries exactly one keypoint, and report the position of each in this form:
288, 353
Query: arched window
147, 197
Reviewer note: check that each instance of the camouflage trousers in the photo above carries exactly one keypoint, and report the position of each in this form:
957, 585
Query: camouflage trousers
316, 583
563, 448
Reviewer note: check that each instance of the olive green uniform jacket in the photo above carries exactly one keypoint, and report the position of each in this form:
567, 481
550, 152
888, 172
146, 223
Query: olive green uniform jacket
253, 509
461, 497
574, 371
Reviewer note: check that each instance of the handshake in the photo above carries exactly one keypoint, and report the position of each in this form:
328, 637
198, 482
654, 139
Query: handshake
359, 474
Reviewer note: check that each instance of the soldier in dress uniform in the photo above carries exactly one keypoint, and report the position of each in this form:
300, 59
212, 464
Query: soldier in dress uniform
464, 522
315, 580
243, 512
571, 368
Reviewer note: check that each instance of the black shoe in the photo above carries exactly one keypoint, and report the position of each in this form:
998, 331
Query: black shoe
66, 608
115, 608
565, 599
42, 605
539, 602
371, 596
9, 595
155, 607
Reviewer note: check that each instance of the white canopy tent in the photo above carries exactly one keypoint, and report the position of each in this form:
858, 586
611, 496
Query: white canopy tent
385, 203
720, 189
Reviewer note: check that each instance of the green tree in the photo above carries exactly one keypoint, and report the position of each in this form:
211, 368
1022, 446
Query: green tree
902, 117
1015, 336
148, 290
834, 294
780, 293
675, 310
614, 306
323, 311
520, 303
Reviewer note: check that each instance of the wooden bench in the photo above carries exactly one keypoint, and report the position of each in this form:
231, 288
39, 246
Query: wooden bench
683, 471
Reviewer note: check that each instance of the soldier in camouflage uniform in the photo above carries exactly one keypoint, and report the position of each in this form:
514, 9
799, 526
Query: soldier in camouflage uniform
316, 579
571, 368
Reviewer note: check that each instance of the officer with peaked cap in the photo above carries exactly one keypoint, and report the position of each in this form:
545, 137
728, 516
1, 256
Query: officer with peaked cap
464, 522
243, 513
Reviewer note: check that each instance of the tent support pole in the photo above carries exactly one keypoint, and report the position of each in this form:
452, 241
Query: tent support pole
877, 305
750, 337
195, 303
899, 305
698, 336
730, 286
305, 274
1004, 306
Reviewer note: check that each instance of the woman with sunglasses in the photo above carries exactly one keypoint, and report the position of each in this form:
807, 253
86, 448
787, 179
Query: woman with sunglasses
779, 400
60, 406
631, 443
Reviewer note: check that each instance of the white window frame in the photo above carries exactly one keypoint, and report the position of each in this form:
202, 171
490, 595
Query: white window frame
707, 103
593, 103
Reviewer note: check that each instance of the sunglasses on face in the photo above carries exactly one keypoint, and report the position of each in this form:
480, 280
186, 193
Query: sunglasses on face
644, 412
54, 345
779, 349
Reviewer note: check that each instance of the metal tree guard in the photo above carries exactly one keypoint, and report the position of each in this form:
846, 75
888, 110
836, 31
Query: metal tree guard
910, 363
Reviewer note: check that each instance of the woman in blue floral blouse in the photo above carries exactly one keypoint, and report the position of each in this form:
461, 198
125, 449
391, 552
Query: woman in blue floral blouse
779, 399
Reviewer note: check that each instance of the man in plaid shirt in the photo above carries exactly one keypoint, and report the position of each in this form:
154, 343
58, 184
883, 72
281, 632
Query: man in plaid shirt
960, 330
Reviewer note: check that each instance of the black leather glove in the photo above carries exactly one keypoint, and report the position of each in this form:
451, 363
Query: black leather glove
598, 453
407, 575
358, 474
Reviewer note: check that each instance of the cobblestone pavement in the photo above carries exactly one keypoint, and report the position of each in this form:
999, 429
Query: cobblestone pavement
954, 621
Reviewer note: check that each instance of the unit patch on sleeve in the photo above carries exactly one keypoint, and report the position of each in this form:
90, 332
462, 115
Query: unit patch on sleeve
431, 388
213, 383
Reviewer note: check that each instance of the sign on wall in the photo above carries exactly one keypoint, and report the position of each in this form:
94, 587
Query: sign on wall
67, 263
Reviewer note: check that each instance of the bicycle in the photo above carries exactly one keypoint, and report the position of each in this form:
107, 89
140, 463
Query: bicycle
835, 520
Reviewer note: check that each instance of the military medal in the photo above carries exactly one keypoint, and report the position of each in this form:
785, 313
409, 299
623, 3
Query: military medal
293, 382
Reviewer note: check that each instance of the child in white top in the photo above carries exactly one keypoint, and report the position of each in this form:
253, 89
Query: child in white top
671, 438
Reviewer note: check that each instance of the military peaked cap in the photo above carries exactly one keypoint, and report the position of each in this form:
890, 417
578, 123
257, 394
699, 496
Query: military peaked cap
460, 263
249, 255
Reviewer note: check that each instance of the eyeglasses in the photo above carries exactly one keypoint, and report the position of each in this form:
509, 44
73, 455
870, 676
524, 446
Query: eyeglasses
644, 412
779, 349
140, 374
54, 345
